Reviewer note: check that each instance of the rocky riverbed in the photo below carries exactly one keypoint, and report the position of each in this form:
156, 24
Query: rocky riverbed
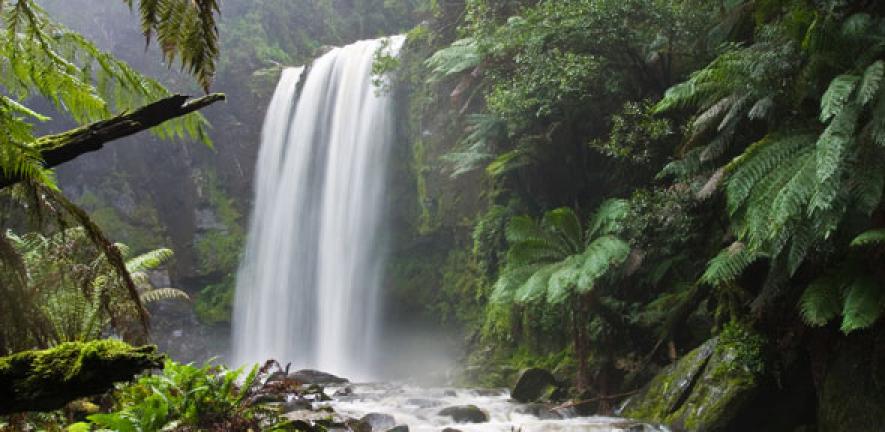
390, 407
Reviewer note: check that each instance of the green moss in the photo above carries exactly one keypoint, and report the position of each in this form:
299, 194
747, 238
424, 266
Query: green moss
48, 379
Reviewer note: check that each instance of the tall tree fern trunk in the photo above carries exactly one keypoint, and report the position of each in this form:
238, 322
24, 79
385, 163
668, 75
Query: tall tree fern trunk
580, 340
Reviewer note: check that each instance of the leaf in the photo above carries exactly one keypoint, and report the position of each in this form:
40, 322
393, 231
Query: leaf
729, 264
872, 80
863, 304
836, 96
821, 301
869, 238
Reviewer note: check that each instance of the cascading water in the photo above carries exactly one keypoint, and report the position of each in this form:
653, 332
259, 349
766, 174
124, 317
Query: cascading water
308, 285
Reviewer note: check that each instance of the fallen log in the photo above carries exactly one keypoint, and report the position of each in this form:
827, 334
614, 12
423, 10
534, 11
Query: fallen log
47, 380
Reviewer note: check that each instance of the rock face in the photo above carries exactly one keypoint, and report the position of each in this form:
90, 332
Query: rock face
534, 384
465, 414
311, 376
705, 389
852, 395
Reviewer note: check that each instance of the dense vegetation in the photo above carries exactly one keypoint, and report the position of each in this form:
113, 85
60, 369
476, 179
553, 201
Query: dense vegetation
616, 190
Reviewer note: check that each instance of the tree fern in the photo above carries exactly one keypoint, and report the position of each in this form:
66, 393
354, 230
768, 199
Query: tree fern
822, 300
729, 264
157, 294
458, 57
837, 96
863, 304
148, 260
869, 238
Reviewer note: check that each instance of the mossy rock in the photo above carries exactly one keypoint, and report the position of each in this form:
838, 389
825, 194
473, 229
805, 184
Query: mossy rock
48, 379
706, 389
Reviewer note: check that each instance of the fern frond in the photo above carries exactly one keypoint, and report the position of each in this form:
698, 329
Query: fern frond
871, 82
602, 256
565, 224
729, 264
822, 300
608, 217
148, 260
863, 304
758, 160
157, 294
461, 55
869, 238
837, 96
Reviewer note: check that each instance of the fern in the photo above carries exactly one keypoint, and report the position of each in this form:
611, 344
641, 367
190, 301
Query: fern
729, 264
837, 96
149, 260
863, 304
460, 56
869, 238
871, 82
157, 294
822, 300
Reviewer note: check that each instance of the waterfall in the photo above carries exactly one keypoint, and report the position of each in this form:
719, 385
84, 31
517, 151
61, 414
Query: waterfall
308, 284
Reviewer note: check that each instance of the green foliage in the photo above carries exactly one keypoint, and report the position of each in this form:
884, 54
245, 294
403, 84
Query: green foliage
78, 294
184, 396
462, 55
554, 260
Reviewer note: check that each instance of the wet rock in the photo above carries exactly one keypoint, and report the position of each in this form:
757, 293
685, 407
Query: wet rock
450, 393
704, 390
355, 425
379, 422
315, 393
400, 428
465, 414
451, 430
346, 391
312, 376
533, 384
315, 417
541, 411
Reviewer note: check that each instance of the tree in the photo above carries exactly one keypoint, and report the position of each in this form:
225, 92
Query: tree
558, 261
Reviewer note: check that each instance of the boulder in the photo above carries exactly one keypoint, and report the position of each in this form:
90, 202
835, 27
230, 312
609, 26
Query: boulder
852, 394
379, 422
706, 389
312, 376
465, 414
400, 428
355, 425
533, 384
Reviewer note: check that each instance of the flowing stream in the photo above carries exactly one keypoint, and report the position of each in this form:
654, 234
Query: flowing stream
308, 284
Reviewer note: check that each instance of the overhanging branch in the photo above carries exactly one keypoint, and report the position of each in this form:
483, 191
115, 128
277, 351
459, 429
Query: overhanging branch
57, 149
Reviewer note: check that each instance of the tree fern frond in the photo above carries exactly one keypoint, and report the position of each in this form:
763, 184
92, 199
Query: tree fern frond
863, 304
758, 160
564, 222
871, 82
837, 96
461, 55
869, 238
602, 256
822, 300
729, 264
148, 260
608, 217
535, 287
158, 294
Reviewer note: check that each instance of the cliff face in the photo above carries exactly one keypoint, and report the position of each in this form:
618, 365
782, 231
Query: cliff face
150, 193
